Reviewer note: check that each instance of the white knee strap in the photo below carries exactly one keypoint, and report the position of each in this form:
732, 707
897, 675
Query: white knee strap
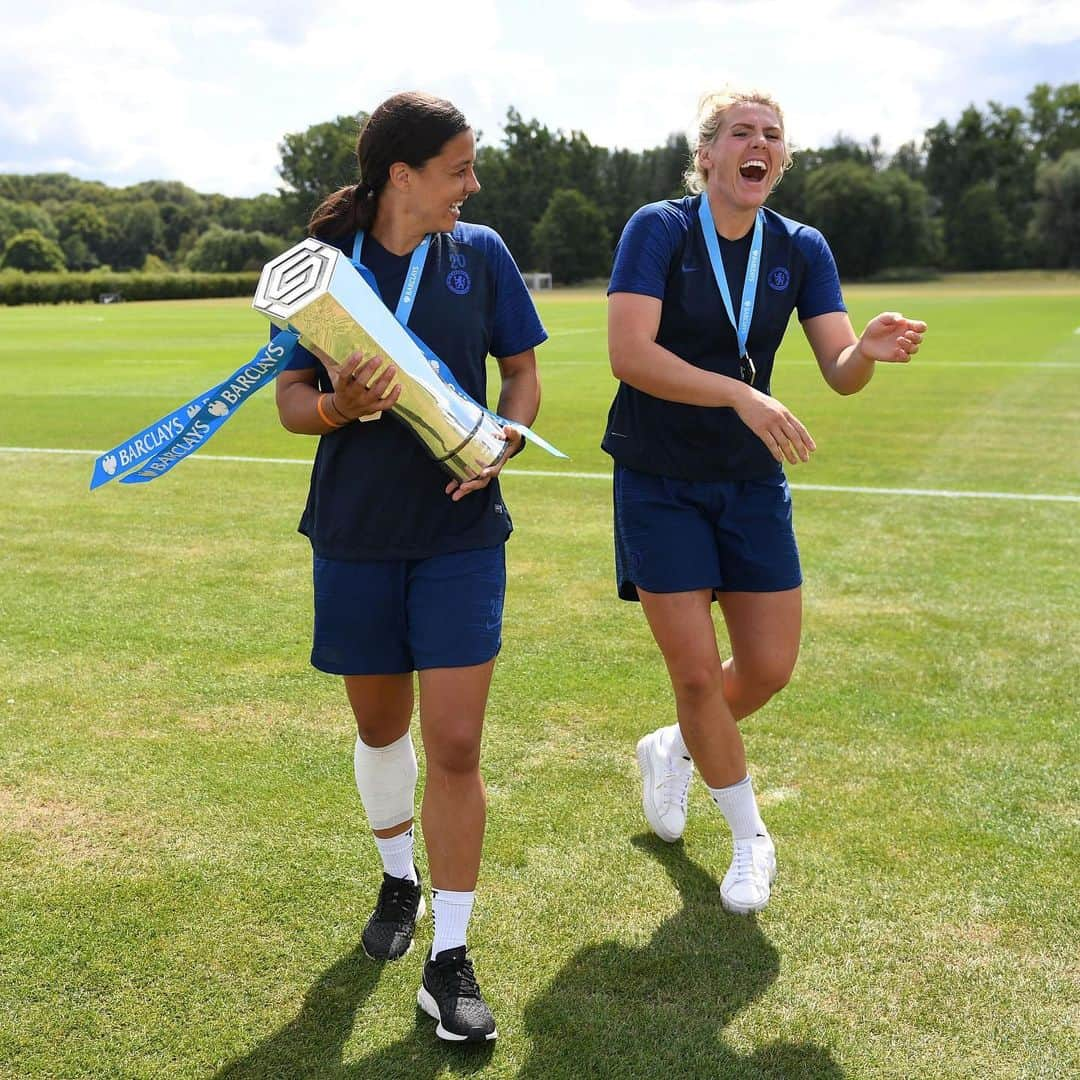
386, 780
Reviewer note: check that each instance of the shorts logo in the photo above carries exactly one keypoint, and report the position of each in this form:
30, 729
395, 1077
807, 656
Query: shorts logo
494, 620
458, 281
779, 278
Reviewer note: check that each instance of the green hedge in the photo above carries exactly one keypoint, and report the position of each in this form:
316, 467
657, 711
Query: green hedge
17, 287
903, 274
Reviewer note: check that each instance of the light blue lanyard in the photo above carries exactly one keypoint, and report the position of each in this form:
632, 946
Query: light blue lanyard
753, 265
412, 278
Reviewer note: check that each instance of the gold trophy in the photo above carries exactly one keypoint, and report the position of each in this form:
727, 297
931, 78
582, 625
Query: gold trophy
315, 290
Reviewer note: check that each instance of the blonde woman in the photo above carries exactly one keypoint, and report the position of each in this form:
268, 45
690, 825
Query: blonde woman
701, 292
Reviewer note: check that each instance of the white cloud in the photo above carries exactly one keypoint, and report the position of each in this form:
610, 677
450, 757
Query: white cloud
834, 84
1048, 21
124, 90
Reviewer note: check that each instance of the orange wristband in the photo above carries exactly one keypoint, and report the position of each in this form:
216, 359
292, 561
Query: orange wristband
322, 412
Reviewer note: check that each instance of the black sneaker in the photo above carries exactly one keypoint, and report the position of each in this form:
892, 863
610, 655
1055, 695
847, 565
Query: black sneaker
449, 994
389, 932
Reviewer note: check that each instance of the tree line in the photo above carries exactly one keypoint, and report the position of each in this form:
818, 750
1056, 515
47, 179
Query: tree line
998, 189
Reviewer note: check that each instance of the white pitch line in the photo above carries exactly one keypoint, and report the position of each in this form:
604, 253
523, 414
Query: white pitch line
847, 489
929, 493
938, 493
920, 365
1020, 365
193, 457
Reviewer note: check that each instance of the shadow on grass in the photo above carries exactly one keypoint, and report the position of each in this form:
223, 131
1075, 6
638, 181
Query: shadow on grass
311, 1044
659, 1010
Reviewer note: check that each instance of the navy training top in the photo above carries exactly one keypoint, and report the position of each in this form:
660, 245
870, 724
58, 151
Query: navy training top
662, 253
376, 492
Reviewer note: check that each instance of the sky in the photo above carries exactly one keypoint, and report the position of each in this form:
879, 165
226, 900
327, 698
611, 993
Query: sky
121, 91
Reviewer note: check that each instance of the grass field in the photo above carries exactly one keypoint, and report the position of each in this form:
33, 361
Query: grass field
184, 868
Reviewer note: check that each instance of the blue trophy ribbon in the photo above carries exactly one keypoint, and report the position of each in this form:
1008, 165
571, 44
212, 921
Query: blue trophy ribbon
156, 449
447, 376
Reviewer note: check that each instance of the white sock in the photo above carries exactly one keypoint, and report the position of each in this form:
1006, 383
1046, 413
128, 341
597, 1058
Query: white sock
738, 805
397, 854
450, 912
671, 742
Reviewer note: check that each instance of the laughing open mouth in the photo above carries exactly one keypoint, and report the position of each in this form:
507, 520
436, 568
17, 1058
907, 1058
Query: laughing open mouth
755, 169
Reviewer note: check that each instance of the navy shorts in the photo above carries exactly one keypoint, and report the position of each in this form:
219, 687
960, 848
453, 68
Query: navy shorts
388, 616
684, 535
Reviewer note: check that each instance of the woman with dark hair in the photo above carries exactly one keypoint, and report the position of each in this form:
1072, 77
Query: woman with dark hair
409, 569
701, 293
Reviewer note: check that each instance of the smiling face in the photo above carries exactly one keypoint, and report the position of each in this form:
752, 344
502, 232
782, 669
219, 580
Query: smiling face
439, 186
744, 161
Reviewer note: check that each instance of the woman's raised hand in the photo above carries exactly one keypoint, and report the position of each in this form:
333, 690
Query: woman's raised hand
891, 338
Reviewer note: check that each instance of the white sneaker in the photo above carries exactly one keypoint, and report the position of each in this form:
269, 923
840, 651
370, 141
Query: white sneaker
746, 885
665, 786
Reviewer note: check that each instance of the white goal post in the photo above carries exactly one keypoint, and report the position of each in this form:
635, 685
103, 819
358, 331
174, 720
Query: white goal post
536, 281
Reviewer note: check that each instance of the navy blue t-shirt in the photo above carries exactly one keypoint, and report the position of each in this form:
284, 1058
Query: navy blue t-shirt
376, 492
662, 253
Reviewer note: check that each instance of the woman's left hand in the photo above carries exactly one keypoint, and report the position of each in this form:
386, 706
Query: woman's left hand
891, 338
458, 489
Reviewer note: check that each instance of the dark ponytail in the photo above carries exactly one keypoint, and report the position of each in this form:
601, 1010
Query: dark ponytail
410, 127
